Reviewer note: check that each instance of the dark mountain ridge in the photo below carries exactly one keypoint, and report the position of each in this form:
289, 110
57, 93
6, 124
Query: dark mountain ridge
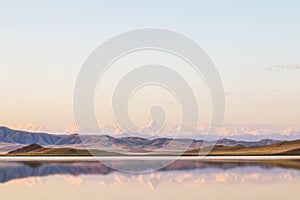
29, 148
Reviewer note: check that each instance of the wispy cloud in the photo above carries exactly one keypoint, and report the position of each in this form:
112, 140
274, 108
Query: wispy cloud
284, 67
31, 127
72, 129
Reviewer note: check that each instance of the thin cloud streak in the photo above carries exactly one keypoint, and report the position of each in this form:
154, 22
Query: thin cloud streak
284, 68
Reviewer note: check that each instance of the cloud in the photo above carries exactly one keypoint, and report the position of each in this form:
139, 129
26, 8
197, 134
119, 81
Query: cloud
284, 68
72, 129
30, 127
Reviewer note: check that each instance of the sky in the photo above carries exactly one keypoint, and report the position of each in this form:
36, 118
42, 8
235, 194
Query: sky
254, 45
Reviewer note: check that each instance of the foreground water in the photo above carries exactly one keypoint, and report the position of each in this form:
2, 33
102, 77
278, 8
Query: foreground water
187, 178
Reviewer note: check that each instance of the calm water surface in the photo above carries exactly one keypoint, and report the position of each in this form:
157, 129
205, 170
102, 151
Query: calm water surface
184, 179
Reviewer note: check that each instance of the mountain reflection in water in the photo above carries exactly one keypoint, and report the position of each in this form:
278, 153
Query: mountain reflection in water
184, 171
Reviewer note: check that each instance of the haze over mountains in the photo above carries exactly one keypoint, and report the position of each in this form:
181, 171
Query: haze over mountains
14, 139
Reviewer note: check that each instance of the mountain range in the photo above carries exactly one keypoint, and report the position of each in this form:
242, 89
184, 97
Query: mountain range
13, 139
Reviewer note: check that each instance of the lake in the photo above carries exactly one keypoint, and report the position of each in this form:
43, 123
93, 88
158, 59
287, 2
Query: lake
187, 178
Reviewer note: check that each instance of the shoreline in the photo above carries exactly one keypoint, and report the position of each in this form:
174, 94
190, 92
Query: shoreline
99, 158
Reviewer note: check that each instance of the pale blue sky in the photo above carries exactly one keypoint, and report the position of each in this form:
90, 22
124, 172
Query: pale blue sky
44, 43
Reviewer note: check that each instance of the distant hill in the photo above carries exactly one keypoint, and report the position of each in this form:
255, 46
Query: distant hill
23, 137
280, 148
37, 150
26, 149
